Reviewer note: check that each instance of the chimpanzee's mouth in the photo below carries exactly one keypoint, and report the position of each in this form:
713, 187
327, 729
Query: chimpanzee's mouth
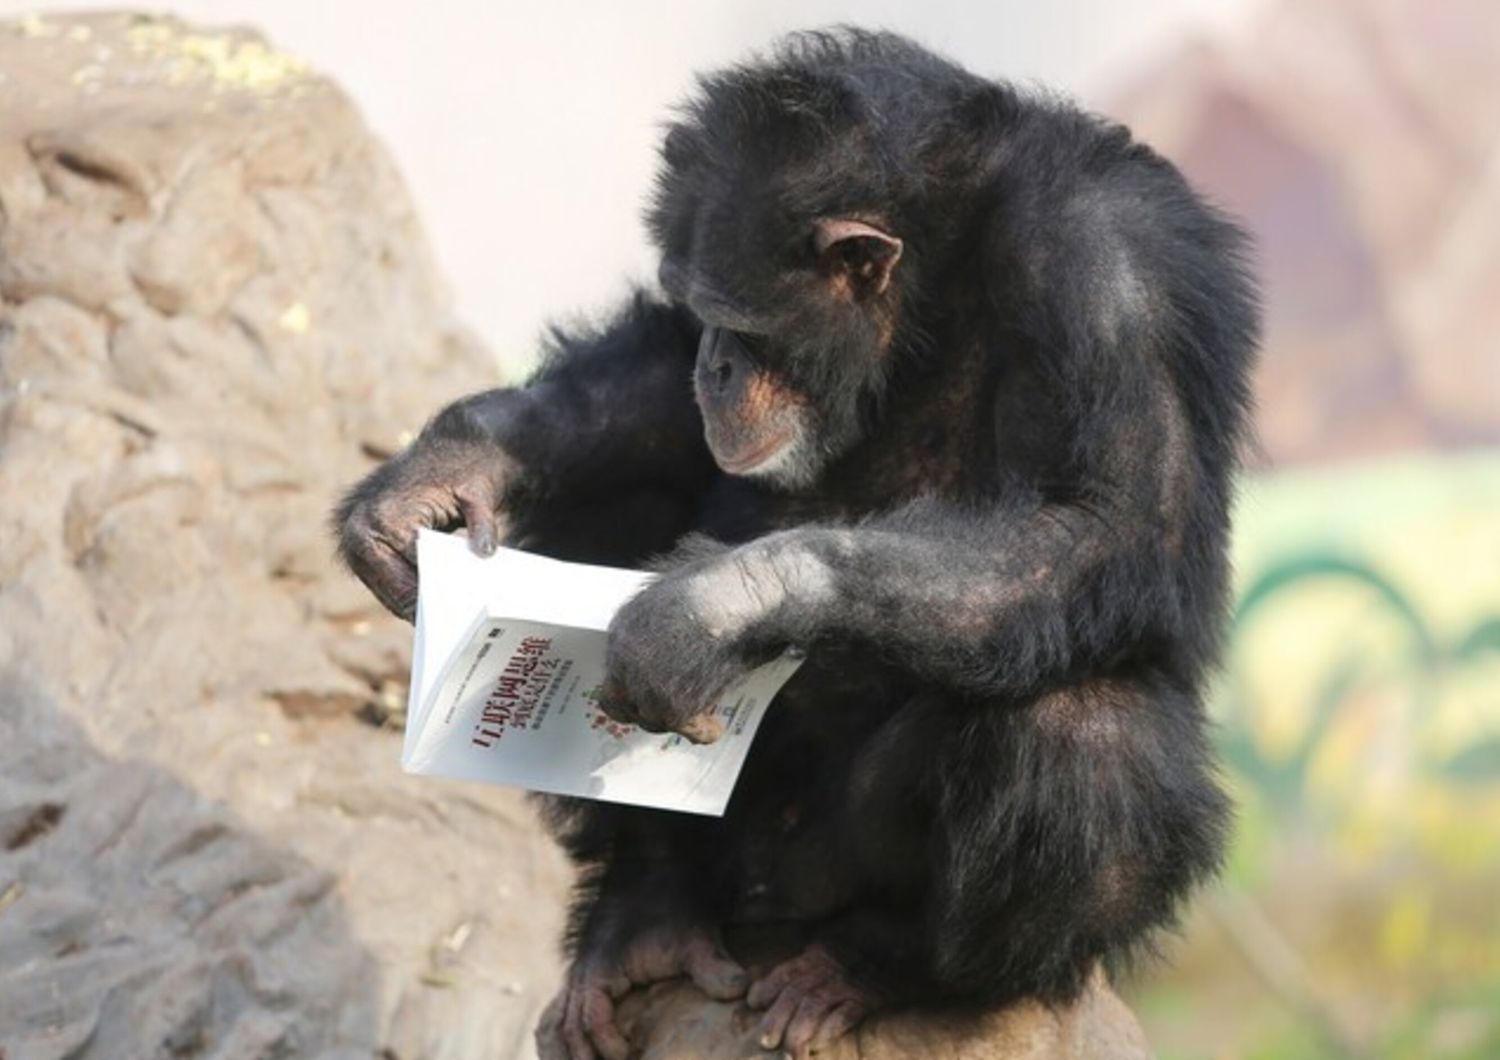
739, 464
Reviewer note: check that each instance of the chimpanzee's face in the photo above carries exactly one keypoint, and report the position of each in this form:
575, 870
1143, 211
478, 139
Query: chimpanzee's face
787, 359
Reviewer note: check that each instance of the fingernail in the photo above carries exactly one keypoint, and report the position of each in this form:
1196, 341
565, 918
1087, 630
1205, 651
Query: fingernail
704, 728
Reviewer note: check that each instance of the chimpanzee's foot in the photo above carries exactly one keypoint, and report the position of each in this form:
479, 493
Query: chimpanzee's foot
580, 1024
809, 1001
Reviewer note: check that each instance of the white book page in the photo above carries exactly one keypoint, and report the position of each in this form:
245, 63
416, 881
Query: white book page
506, 663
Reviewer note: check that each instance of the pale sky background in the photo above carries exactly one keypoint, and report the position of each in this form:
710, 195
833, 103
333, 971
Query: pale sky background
527, 131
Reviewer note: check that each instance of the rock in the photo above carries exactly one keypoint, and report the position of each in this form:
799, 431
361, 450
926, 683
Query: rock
216, 311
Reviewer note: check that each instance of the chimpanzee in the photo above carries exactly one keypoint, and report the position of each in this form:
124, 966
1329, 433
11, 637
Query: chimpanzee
946, 386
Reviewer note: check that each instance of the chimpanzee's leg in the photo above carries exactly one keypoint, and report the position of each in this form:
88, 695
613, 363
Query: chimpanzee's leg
1061, 831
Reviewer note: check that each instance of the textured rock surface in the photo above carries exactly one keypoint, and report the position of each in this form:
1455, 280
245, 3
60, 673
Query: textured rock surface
215, 311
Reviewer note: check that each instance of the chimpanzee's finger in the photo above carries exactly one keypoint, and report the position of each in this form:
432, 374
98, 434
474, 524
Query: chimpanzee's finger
773, 1025
614, 701
476, 504
574, 1033
815, 1004
389, 574
843, 1019
599, 1022
768, 987
715, 973
549, 1030
702, 728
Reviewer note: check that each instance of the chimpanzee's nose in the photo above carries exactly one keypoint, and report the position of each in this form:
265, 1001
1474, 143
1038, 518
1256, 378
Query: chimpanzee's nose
715, 361
720, 372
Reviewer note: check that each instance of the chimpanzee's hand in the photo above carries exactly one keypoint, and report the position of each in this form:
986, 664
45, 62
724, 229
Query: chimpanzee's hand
665, 668
686, 638
440, 483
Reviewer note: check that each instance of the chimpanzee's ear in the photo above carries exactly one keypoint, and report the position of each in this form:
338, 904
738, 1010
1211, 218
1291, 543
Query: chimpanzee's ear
858, 253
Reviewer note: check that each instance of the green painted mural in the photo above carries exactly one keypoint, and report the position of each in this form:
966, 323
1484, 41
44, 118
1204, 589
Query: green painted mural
1359, 719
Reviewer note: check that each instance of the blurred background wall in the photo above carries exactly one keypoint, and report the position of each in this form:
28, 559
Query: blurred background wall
1360, 140
527, 131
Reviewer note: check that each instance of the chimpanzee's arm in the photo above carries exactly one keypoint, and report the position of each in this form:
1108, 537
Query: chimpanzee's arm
605, 413
987, 602
996, 603
1118, 554
599, 457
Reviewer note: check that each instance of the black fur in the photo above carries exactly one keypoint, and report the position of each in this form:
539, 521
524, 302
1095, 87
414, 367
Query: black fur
992, 770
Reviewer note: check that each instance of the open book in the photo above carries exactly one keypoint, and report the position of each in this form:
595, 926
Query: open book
506, 666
